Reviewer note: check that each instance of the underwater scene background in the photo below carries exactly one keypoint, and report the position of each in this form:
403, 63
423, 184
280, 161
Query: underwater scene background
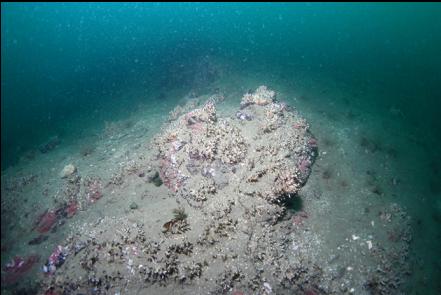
92, 94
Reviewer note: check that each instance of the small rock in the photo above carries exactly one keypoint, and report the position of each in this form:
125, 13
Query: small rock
333, 258
133, 206
243, 116
340, 272
152, 175
68, 170
154, 178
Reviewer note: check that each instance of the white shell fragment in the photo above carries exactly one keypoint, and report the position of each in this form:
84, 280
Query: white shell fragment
268, 288
369, 243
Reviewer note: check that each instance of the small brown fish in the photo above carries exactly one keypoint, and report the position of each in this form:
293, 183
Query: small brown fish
168, 225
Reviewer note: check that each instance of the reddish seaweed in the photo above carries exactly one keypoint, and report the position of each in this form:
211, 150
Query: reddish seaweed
46, 221
71, 209
19, 266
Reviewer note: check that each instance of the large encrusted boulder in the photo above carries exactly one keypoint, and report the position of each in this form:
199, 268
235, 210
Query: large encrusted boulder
264, 150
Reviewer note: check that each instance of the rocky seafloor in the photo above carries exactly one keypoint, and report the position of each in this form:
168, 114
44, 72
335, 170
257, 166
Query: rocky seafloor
209, 205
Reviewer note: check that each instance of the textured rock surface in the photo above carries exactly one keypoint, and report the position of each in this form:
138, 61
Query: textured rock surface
268, 156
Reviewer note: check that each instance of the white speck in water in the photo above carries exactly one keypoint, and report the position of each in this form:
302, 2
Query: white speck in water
369, 244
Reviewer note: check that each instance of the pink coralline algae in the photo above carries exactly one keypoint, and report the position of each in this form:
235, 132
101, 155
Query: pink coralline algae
56, 259
17, 267
94, 191
167, 174
297, 125
299, 218
197, 127
304, 165
312, 142
301, 124
170, 175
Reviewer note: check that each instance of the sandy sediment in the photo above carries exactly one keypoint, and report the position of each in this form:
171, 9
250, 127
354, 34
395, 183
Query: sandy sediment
214, 214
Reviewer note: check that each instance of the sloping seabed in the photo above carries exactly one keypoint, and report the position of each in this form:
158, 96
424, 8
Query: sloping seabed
203, 205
